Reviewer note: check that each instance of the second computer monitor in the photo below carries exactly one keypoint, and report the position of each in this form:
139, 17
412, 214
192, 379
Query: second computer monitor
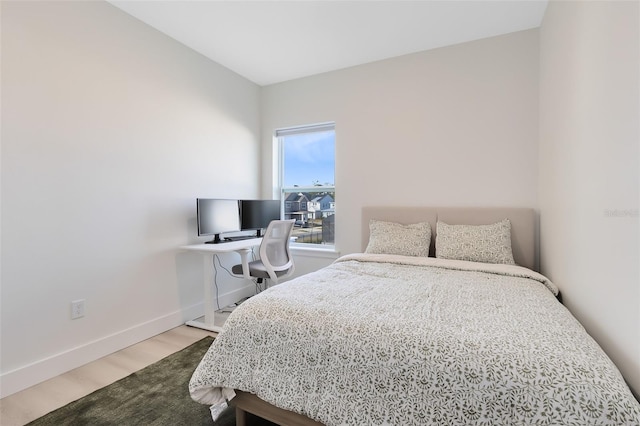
257, 214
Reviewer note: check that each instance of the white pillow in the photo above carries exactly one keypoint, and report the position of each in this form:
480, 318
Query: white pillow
476, 243
395, 238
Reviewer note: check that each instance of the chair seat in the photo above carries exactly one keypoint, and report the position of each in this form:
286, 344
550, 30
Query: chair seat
256, 269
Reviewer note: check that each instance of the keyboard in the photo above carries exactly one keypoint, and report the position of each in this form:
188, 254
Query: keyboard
240, 238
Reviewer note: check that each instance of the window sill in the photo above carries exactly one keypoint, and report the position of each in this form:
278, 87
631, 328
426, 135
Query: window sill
328, 253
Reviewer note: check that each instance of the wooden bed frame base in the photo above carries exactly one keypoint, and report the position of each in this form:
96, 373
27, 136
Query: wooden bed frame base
248, 405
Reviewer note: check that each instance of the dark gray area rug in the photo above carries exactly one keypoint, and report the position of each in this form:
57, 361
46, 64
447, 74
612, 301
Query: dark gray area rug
155, 395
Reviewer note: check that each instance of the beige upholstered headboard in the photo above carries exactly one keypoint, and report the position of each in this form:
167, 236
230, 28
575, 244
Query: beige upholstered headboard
523, 224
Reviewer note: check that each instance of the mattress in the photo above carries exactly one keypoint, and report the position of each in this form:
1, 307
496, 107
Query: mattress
389, 339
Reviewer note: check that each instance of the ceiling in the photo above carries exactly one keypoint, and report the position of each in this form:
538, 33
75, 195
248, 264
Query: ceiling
273, 41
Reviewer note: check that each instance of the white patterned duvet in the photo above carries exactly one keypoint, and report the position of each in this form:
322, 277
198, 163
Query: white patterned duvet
395, 340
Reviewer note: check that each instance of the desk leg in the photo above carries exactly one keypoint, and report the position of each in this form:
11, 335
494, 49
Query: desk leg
245, 263
209, 296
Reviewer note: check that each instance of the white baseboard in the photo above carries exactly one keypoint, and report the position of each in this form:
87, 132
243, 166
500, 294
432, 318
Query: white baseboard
235, 295
52, 366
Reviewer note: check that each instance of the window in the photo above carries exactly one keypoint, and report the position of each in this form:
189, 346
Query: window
306, 179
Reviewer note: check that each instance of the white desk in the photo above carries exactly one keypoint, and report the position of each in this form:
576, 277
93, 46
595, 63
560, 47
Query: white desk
243, 247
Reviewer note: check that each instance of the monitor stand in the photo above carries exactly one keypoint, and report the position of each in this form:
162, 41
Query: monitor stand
216, 240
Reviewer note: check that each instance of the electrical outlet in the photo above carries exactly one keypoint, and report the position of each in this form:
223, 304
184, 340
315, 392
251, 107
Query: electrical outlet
77, 309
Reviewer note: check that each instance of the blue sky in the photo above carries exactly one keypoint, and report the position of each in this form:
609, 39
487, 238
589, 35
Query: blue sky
308, 158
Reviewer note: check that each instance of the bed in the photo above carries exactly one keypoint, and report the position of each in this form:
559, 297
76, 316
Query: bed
397, 336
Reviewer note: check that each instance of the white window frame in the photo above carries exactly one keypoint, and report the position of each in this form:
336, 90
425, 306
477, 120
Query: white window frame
278, 168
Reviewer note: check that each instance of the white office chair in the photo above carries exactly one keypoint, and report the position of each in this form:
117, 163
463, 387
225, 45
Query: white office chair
275, 258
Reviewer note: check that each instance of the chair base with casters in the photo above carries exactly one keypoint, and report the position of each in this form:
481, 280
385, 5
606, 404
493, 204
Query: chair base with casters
275, 260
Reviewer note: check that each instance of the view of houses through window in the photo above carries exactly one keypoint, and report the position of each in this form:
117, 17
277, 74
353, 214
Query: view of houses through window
307, 170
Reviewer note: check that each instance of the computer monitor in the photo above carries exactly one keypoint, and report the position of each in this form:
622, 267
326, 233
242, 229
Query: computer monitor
217, 216
257, 214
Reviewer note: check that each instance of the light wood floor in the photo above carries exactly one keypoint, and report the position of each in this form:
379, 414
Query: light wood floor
29, 404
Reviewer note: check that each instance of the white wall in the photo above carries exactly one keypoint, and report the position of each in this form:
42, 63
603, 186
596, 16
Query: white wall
110, 130
589, 176
451, 126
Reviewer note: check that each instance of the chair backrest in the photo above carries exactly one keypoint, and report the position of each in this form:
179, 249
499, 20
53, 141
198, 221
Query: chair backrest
274, 249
